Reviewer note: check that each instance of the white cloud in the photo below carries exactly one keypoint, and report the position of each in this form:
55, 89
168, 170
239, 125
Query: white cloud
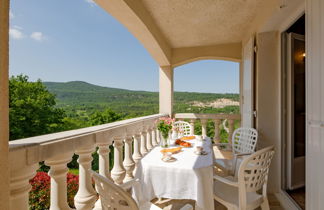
91, 2
38, 36
16, 33
18, 27
11, 15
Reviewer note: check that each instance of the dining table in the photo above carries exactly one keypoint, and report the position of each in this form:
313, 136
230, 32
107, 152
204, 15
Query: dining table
190, 176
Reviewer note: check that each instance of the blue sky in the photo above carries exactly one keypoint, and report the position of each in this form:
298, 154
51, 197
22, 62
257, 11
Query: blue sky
76, 40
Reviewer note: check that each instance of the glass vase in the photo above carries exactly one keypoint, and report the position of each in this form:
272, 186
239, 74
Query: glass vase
165, 140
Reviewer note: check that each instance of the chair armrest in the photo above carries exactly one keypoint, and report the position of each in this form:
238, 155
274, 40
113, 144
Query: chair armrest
127, 185
225, 181
242, 154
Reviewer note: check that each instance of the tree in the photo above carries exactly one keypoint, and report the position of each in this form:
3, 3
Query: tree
106, 116
32, 109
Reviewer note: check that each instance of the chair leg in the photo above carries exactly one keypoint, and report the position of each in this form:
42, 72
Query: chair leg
265, 205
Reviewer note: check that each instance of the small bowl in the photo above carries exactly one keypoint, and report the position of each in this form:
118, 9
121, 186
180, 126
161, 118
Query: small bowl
199, 149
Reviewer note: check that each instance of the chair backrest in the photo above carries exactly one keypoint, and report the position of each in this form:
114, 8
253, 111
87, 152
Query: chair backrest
111, 195
183, 126
254, 170
244, 140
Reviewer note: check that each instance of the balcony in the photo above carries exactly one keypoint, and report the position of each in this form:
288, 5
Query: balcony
131, 140
175, 33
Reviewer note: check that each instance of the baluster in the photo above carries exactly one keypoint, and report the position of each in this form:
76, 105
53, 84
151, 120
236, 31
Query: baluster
149, 139
86, 195
104, 166
143, 143
118, 171
230, 131
129, 163
154, 137
103, 153
20, 187
192, 127
203, 127
217, 123
158, 137
137, 146
58, 173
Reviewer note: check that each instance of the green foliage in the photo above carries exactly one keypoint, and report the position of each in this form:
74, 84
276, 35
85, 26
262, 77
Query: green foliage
164, 126
106, 116
32, 109
80, 100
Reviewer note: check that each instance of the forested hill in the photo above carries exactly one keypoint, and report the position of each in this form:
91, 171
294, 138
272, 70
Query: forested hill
78, 95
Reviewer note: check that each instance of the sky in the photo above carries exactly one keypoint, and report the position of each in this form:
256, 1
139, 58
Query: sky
76, 40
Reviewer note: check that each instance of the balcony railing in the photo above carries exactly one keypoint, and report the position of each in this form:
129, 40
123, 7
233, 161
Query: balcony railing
131, 139
217, 119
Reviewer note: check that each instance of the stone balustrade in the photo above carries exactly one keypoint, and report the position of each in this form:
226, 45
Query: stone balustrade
131, 139
218, 120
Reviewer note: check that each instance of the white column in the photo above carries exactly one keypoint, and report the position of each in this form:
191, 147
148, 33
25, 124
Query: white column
86, 195
118, 171
143, 143
149, 139
166, 90
217, 123
20, 187
203, 127
154, 137
4, 105
137, 146
230, 130
129, 163
192, 126
58, 173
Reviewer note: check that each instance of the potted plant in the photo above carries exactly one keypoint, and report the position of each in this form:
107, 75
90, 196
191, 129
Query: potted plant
164, 125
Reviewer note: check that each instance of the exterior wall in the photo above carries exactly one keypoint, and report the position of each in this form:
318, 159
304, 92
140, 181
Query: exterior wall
4, 121
268, 100
315, 104
166, 90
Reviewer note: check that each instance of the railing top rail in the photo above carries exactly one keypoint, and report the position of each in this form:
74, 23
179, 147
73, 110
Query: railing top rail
39, 148
52, 138
207, 116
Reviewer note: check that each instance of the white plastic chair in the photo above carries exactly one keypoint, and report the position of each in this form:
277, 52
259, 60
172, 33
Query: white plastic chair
244, 193
115, 197
184, 127
244, 141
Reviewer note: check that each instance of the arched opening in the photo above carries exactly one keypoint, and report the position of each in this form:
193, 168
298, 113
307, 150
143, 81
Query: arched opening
208, 87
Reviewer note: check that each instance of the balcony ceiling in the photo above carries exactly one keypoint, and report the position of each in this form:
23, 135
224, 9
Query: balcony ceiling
190, 23
180, 31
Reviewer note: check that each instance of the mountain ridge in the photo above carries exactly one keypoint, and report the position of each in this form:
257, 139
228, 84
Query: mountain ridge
82, 98
76, 83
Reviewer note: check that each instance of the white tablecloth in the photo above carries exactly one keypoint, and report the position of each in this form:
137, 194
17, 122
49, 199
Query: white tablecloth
190, 177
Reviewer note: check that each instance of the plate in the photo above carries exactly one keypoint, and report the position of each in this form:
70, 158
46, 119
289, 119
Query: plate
172, 150
172, 159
